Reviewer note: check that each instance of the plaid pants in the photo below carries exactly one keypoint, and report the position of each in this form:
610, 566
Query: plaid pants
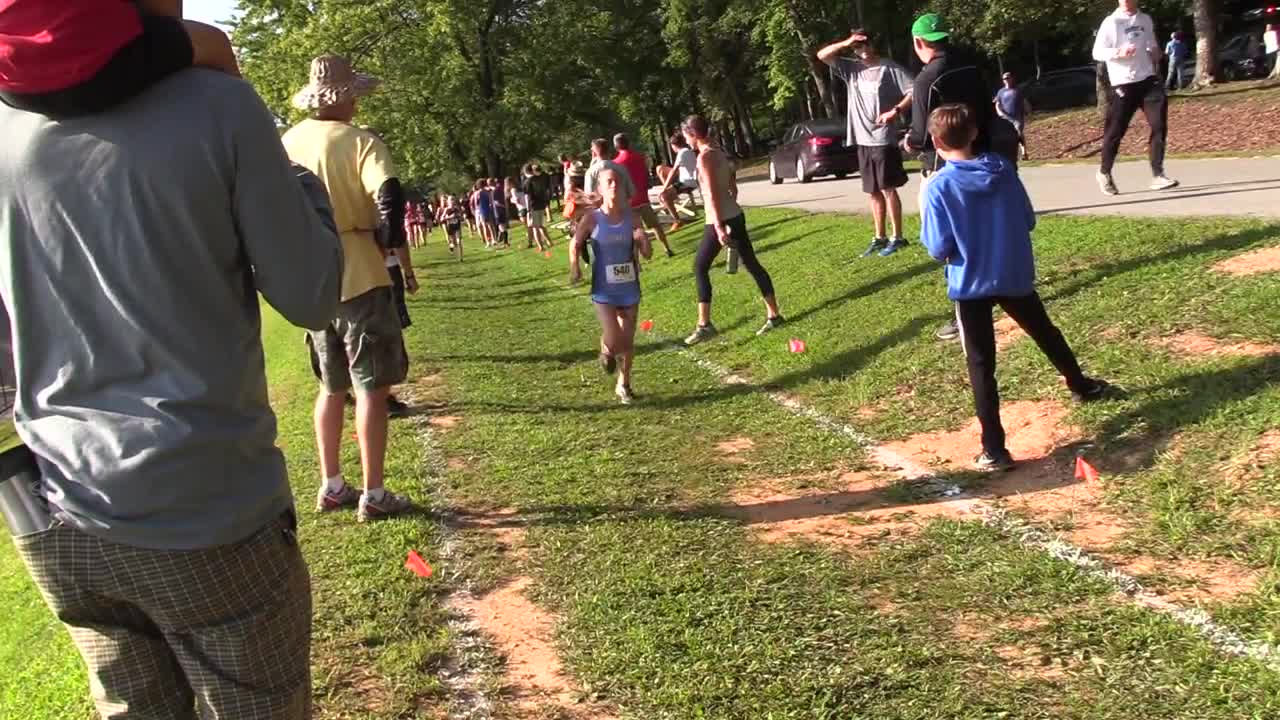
175, 635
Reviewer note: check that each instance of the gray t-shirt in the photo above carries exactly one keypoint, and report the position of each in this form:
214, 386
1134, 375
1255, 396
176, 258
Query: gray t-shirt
873, 90
133, 246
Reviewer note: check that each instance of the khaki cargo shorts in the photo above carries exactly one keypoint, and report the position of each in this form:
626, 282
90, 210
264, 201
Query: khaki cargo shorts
363, 347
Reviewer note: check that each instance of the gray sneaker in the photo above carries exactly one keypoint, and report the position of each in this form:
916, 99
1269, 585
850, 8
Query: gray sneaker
329, 501
390, 505
1106, 184
704, 332
1163, 182
949, 331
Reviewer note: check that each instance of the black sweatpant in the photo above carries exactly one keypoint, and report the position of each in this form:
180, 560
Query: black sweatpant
977, 333
710, 248
1149, 95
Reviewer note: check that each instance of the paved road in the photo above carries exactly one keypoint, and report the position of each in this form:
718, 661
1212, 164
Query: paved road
1228, 186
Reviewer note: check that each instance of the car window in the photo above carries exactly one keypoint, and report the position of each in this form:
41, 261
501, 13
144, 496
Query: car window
792, 134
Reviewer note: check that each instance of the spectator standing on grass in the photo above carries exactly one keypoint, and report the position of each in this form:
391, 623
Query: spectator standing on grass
135, 240
879, 92
1177, 51
951, 75
1012, 106
537, 192
681, 177
977, 219
1127, 43
362, 348
637, 167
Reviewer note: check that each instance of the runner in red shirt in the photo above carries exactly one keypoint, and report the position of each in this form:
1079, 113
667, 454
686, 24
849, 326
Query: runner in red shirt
637, 166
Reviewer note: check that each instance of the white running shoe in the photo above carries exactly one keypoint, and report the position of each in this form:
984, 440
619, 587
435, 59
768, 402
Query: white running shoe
1106, 184
1163, 182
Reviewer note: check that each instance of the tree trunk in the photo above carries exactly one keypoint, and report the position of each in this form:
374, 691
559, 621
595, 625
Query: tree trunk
819, 71
1035, 50
742, 120
1206, 42
808, 101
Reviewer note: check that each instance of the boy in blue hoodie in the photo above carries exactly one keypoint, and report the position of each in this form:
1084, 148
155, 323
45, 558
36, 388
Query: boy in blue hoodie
977, 219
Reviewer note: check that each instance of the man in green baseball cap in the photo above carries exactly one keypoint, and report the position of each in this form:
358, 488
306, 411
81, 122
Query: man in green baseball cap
951, 75
931, 27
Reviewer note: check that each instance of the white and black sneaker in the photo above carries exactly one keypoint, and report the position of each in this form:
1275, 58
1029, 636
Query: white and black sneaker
1106, 184
771, 324
989, 462
1163, 182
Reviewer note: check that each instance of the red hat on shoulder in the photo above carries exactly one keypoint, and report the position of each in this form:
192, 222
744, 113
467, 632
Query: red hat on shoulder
49, 46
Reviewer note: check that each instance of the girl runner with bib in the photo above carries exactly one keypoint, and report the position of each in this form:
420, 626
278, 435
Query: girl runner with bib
615, 277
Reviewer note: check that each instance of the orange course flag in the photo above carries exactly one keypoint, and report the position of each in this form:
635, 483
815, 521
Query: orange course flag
1085, 471
646, 325
419, 566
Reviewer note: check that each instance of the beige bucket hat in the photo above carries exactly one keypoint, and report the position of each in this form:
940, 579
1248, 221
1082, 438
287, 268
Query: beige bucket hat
333, 81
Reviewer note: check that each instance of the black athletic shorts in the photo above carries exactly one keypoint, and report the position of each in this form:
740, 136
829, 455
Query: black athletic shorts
881, 168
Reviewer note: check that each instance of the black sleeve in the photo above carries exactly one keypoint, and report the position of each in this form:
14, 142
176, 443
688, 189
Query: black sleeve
919, 135
391, 212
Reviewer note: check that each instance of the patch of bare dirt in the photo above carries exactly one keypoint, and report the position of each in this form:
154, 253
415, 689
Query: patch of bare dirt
458, 464
444, 422
731, 451
863, 508
535, 681
1257, 262
1192, 343
1244, 470
858, 510
1008, 332
1017, 660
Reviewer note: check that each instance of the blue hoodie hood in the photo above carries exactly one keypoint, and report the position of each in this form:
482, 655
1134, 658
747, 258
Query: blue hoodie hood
977, 218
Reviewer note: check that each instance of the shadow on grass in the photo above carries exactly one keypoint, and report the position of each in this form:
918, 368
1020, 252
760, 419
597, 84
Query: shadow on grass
1098, 273
1184, 401
883, 283
1268, 185
1048, 473
563, 358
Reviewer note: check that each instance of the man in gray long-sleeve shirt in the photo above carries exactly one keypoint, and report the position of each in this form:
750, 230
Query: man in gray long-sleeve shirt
133, 246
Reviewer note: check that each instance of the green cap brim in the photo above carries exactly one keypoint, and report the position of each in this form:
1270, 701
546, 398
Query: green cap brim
934, 36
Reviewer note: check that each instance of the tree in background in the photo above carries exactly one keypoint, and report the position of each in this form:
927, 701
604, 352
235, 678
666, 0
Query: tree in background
1205, 16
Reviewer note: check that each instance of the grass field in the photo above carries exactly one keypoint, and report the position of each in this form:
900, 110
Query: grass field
707, 553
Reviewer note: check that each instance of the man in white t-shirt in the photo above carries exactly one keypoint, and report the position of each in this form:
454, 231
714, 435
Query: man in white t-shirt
1128, 44
681, 177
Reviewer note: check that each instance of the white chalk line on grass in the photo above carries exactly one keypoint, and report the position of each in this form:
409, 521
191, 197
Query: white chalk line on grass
471, 661
1001, 519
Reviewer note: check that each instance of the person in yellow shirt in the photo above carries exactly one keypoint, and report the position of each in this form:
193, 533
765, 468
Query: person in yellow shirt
362, 349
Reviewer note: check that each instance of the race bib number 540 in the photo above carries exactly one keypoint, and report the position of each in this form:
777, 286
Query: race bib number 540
618, 274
